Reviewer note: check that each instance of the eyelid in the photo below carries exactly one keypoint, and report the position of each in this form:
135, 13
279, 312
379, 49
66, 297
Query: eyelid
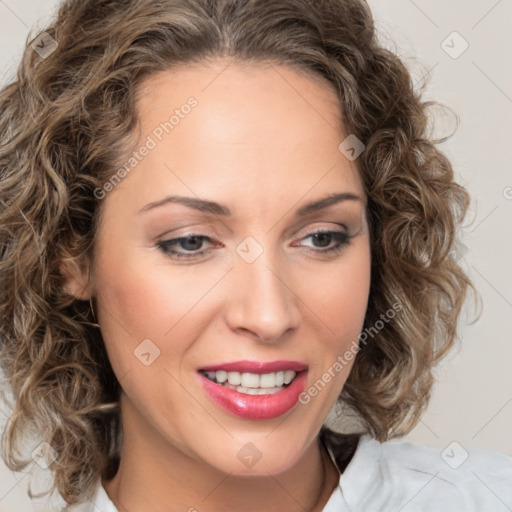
202, 227
334, 226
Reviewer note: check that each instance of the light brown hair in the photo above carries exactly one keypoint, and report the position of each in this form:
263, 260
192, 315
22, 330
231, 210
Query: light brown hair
65, 126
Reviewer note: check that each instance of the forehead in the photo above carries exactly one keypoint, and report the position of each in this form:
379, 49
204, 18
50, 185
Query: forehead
257, 130
243, 87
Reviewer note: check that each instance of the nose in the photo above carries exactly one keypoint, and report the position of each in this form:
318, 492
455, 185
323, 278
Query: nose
262, 302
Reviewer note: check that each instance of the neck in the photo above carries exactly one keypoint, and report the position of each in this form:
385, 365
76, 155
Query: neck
157, 475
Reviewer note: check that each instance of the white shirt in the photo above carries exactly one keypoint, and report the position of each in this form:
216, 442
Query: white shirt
405, 477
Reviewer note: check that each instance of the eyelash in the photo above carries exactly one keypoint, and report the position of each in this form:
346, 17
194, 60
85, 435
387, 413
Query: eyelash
341, 238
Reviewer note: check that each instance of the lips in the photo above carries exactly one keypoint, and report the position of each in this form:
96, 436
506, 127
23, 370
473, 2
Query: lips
254, 407
257, 367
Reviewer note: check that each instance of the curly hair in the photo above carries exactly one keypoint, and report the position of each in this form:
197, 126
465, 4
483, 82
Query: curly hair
66, 123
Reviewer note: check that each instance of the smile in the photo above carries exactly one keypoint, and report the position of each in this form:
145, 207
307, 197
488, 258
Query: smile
252, 383
257, 394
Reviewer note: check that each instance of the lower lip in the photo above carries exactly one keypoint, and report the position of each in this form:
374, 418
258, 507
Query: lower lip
255, 407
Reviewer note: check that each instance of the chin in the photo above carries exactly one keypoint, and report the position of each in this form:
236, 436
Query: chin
257, 458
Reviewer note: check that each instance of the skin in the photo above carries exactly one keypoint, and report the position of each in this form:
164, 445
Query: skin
262, 141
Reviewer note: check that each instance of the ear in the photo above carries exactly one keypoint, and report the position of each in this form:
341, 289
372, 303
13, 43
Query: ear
77, 281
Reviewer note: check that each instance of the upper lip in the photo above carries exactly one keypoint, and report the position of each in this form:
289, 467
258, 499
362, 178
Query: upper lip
257, 367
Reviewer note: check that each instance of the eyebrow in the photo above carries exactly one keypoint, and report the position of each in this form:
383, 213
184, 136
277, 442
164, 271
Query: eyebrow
206, 206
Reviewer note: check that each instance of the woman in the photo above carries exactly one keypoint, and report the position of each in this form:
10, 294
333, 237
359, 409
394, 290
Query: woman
220, 219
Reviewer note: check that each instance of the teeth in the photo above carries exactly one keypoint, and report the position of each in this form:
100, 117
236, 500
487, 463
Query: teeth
221, 376
252, 381
289, 375
254, 391
234, 378
267, 380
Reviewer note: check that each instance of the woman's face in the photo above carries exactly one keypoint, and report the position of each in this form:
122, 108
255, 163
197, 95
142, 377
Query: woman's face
231, 270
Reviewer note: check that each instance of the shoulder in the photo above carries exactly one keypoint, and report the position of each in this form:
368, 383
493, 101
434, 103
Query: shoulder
479, 477
410, 477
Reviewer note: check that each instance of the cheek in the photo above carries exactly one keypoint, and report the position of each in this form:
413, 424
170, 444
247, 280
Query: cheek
130, 289
141, 300
341, 300
340, 294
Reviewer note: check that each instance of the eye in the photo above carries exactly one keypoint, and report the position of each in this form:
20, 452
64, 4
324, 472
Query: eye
328, 241
191, 245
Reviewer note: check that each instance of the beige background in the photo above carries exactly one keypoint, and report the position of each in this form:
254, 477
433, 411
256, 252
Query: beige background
472, 403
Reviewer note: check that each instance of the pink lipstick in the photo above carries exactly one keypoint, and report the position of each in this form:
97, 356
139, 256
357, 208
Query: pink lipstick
252, 389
